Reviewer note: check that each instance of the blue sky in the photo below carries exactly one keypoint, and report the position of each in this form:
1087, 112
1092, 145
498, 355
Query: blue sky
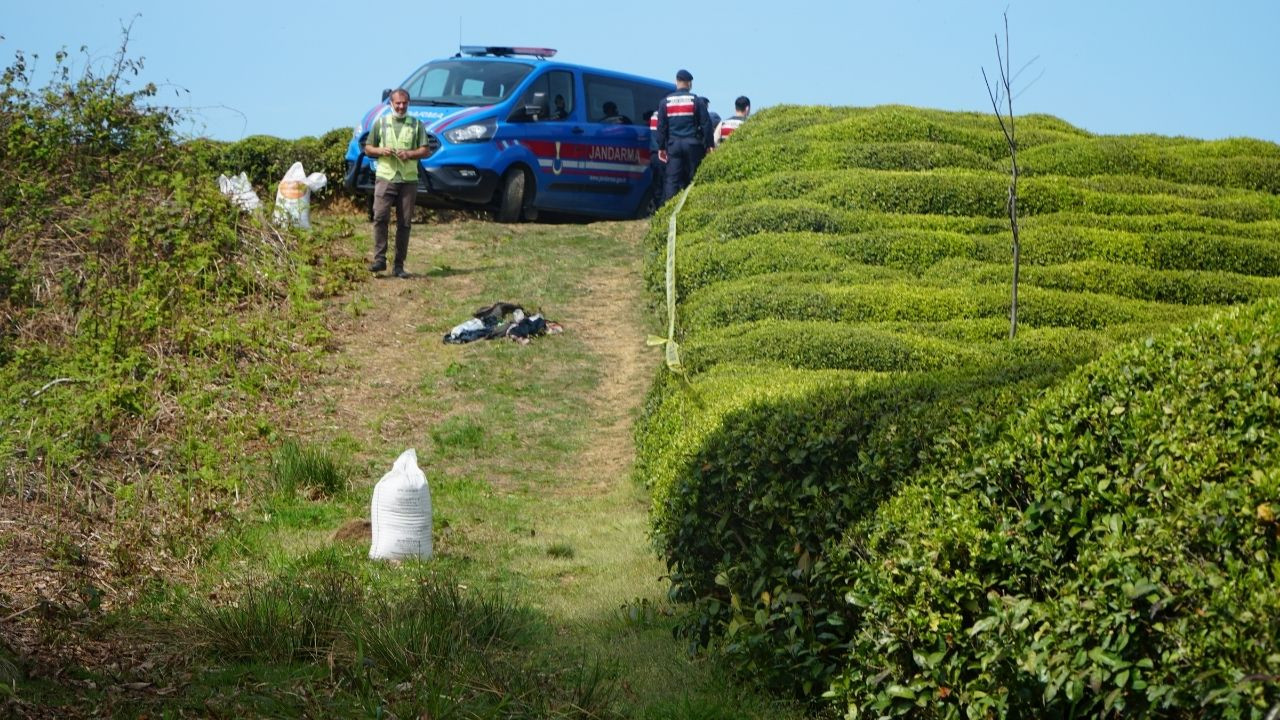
1173, 67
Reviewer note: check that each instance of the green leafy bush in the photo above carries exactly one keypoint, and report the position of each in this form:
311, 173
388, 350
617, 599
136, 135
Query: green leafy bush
872, 346
1184, 287
144, 320
1112, 553
971, 193
749, 484
741, 161
265, 159
804, 297
1252, 165
822, 345
843, 285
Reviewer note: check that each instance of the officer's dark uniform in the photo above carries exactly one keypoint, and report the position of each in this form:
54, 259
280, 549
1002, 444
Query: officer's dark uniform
657, 167
684, 131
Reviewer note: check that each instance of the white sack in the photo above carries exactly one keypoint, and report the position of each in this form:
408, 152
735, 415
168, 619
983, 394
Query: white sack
293, 196
240, 190
402, 512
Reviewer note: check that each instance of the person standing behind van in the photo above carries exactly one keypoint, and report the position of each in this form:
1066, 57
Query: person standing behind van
398, 140
741, 109
657, 167
684, 130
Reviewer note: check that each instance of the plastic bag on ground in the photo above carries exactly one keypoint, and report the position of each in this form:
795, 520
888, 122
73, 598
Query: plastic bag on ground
293, 196
240, 191
401, 512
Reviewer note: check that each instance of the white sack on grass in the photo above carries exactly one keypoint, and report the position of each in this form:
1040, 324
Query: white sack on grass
240, 190
293, 196
402, 512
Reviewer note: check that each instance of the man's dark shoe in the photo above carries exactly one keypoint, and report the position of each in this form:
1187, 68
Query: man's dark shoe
377, 267
400, 273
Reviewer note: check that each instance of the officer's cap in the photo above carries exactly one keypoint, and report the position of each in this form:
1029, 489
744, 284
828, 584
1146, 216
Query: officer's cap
684, 76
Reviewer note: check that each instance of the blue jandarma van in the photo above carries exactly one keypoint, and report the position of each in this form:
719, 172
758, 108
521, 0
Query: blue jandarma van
512, 131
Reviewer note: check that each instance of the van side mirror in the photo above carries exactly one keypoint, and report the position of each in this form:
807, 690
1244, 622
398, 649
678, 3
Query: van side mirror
536, 108
386, 94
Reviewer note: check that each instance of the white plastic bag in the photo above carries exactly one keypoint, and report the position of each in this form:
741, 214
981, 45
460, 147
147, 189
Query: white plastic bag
240, 190
401, 512
293, 196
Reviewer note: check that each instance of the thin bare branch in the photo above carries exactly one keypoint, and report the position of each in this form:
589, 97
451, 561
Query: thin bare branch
1003, 91
995, 105
55, 381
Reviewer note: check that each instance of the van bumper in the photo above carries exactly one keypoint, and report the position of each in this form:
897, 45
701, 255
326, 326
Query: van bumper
447, 185
463, 183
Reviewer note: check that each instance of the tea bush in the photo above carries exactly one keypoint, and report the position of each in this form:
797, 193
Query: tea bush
1112, 553
866, 346
741, 161
843, 285
1250, 165
803, 297
750, 484
704, 260
265, 159
819, 345
1184, 287
970, 193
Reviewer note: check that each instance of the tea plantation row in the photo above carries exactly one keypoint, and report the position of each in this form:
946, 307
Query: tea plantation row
867, 493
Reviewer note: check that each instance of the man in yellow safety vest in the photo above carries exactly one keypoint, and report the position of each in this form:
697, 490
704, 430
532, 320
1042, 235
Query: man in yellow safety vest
397, 141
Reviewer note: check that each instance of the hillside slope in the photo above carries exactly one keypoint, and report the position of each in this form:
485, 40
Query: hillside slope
842, 276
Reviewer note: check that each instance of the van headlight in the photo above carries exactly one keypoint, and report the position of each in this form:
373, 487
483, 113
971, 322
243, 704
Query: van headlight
475, 132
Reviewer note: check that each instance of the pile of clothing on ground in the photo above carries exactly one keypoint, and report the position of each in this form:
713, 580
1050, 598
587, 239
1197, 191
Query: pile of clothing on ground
492, 322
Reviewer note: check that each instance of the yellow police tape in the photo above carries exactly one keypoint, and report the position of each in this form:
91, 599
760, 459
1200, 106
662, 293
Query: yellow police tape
672, 349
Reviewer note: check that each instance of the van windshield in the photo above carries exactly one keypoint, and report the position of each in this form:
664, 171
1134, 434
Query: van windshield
465, 82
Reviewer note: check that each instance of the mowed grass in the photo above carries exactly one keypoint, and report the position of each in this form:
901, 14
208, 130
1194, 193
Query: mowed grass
545, 598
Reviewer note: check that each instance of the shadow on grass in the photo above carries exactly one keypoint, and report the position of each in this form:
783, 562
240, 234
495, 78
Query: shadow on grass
352, 638
449, 271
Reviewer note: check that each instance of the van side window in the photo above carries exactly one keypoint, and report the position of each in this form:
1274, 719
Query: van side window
552, 94
648, 98
616, 100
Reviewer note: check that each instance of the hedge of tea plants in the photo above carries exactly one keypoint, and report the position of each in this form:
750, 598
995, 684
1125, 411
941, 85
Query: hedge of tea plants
843, 281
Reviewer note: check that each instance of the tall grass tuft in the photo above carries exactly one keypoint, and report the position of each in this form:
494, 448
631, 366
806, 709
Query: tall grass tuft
295, 617
438, 624
304, 466
10, 666
431, 649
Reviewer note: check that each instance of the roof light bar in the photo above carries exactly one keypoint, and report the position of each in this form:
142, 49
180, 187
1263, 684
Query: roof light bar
507, 50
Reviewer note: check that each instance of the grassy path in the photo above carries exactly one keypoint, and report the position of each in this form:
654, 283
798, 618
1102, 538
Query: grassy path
528, 448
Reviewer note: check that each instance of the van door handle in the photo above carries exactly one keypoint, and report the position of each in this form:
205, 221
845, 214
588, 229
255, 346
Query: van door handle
578, 130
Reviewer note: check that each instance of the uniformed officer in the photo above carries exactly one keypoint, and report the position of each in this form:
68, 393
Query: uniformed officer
741, 109
684, 132
656, 165
398, 140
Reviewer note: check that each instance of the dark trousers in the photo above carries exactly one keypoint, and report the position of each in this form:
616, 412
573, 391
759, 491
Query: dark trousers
683, 157
658, 169
403, 196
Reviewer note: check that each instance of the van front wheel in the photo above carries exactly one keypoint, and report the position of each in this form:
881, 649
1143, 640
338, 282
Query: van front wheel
511, 200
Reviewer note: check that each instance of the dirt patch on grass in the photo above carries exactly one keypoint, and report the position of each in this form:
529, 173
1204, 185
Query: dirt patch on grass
386, 350
377, 332
607, 316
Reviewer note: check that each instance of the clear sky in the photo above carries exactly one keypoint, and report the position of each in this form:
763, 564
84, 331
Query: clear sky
1174, 67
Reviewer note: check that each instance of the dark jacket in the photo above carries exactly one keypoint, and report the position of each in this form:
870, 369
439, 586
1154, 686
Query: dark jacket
683, 115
